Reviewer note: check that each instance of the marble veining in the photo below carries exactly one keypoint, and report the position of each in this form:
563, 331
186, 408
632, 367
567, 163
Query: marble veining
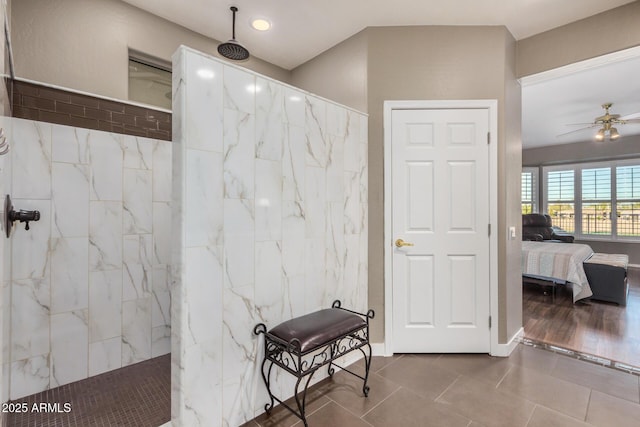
138, 152
35, 242
70, 145
69, 274
105, 305
268, 196
106, 159
161, 298
286, 235
29, 376
30, 307
78, 294
239, 90
105, 355
105, 235
270, 126
293, 164
204, 194
315, 132
161, 174
31, 160
136, 267
70, 200
239, 155
137, 213
136, 331
69, 347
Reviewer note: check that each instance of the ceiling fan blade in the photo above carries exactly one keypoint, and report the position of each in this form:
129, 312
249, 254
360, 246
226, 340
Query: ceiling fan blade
631, 121
575, 130
630, 117
580, 124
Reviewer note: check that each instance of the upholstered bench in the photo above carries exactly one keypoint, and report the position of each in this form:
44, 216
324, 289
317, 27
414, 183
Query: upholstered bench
304, 344
607, 276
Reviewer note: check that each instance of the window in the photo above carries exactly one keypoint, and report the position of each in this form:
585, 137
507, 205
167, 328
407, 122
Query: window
560, 198
529, 188
628, 201
595, 201
149, 80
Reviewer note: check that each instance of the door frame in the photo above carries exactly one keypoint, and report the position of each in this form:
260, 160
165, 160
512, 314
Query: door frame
492, 106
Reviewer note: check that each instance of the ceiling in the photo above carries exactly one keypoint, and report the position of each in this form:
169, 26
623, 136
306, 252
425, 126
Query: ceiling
303, 29
559, 106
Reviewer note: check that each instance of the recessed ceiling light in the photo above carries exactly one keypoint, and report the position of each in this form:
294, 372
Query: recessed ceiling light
260, 24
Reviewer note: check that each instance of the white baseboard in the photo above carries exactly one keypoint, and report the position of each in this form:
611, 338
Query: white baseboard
505, 350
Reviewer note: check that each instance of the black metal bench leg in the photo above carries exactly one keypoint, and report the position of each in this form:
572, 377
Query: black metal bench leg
267, 382
302, 402
367, 366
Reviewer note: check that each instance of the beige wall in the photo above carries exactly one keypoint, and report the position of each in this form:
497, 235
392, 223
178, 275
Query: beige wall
439, 62
510, 311
606, 32
339, 74
413, 63
83, 44
585, 151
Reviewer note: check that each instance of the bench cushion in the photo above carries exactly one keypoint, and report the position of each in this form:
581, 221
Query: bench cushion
318, 328
614, 260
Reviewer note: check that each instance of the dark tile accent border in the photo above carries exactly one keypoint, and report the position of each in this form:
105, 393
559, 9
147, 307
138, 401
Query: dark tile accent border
42, 103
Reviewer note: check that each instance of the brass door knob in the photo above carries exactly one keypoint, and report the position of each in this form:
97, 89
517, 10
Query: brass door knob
400, 243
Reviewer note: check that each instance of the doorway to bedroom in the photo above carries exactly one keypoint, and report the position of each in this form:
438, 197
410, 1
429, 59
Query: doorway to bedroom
588, 182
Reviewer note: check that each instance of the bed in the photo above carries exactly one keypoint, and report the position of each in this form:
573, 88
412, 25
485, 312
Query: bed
558, 261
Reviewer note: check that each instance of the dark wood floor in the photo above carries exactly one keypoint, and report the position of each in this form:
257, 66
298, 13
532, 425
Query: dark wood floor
598, 328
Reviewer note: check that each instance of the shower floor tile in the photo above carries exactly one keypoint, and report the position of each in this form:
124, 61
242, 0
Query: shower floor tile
138, 395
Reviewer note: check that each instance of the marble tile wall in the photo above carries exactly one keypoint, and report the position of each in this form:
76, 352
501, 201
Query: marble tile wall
5, 186
88, 287
269, 222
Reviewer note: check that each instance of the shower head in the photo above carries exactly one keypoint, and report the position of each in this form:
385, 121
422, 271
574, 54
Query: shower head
232, 49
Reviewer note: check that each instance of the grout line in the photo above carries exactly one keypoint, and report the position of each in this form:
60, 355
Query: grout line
391, 363
308, 414
511, 366
448, 387
531, 415
380, 403
588, 405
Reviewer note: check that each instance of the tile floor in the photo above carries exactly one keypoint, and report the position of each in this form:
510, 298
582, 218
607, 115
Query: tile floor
533, 388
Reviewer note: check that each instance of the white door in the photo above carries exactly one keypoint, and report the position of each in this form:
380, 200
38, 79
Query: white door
440, 206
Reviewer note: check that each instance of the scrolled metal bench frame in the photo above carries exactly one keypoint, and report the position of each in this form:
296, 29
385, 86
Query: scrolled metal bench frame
287, 355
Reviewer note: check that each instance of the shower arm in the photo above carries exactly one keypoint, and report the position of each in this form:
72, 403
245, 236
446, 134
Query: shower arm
11, 215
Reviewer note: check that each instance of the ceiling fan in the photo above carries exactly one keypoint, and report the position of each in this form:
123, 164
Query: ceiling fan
606, 123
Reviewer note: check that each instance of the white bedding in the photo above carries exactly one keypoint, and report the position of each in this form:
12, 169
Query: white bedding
560, 261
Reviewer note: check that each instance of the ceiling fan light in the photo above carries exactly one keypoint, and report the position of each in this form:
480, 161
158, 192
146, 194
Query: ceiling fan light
600, 135
613, 133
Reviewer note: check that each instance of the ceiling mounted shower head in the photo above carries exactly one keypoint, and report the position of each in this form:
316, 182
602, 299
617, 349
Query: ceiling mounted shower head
232, 49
